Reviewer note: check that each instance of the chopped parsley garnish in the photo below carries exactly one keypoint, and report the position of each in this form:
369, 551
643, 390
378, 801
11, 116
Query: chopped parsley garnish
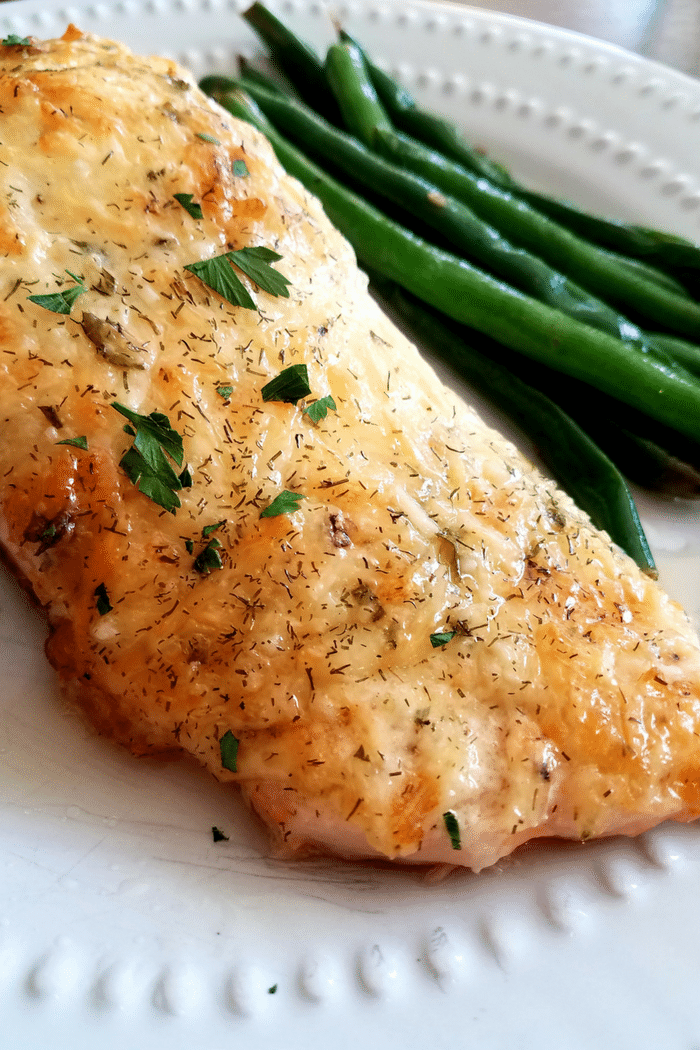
79, 442
209, 558
218, 836
190, 206
319, 409
286, 503
452, 827
208, 529
62, 301
272, 989
207, 138
240, 168
441, 638
218, 274
229, 751
16, 41
147, 462
49, 533
103, 603
224, 391
255, 262
291, 384
186, 479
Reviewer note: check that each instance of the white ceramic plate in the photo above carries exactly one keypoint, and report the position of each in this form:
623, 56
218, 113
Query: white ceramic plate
122, 924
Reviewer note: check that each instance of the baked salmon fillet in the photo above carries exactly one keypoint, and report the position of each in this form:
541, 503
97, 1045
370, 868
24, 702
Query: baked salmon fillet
374, 615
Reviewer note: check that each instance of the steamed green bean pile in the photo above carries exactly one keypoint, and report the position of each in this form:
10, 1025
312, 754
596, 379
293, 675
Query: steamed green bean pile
584, 330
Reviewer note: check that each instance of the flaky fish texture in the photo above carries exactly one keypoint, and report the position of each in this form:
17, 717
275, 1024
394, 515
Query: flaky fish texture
565, 700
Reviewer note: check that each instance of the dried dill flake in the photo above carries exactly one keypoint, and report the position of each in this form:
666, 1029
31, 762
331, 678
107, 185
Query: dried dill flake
452, 826
229, 751
289, 386
286, 503
103, 603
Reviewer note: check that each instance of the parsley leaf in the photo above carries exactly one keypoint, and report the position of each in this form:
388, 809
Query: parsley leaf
190, 206
208, 529
229, 751
146, 463
441, 638
286, 503
256, 263
62, 301
209, 558
319, 409
103, 603
452, 826
79, 442
240, 168
217, 273
207, 138
291, 384
16, 41
224, 391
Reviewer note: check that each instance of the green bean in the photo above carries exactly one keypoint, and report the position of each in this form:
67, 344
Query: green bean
583, 262
620, 432
464, 230
651, 273
471, 297
667, 250
686, 354
428, 127
252, 74
356, 98
597, 270
296, 59
573, 459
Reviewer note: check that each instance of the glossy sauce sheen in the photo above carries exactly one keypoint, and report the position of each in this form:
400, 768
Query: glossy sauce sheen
567, 701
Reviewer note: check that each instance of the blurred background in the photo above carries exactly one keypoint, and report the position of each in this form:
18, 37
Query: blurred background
665, 30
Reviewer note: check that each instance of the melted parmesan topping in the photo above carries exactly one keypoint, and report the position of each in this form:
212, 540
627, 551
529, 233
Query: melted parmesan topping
566, 701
